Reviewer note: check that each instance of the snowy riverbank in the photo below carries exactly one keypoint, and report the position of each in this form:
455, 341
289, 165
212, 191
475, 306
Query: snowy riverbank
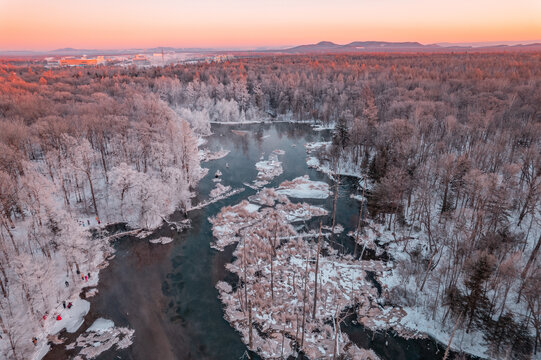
410, 302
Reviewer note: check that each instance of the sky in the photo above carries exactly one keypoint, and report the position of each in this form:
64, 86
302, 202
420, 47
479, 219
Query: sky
109, 24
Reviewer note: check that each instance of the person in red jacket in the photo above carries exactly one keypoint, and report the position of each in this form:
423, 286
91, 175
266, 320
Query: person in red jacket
59, 318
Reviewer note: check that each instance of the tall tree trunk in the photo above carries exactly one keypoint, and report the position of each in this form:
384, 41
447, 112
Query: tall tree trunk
335, 201
250, 339
335, 341
283, 339
505, 299
93, 195
357, 233
304, 303
272, 277
2, 287
297, 333
13, 346
531, 259
428, 269
531, 190
444, 202
239, 296
317, 270
472, 312
66, 197
244, 271
451, 338
103, 162
6, 227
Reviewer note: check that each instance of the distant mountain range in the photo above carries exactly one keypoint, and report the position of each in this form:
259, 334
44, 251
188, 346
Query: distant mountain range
384, 46
319, 48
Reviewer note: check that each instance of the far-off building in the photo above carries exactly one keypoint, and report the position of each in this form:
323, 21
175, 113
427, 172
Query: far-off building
140, 59
82, 61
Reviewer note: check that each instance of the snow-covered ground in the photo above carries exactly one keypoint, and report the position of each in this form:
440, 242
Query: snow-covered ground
269, 169
411, 321
216, 199
219, 190
99, 337
162, 240
294, 212
346, 166
277, 267
59, 318
407, 321
358, 197
304, 188
207, 155
58, 241
410, 305
101, 325
321, 127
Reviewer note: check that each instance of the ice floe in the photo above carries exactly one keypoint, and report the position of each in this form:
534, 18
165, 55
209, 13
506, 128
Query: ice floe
162, 240
304, 188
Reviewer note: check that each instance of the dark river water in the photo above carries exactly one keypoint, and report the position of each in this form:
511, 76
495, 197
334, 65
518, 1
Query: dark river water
167, 292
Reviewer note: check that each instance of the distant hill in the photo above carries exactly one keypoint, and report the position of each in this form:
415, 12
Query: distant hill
321, 47
67, 50
385, 46
359, 46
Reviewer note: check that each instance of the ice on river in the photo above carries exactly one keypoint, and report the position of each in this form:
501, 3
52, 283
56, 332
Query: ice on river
269, 169
101, 325
304, 188
251, 208
101, 336
163, 240
207, 155
313, 146
219, 190
229, 222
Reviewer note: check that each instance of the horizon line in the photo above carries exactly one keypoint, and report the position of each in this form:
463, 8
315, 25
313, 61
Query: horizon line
472, 44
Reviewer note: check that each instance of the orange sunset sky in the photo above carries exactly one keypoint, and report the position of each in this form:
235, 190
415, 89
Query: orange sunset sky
50, 24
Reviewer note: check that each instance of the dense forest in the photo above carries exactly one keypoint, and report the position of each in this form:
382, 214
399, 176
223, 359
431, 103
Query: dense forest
447, 147
75, 155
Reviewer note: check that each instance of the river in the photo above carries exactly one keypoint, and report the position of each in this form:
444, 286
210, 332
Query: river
167, 292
